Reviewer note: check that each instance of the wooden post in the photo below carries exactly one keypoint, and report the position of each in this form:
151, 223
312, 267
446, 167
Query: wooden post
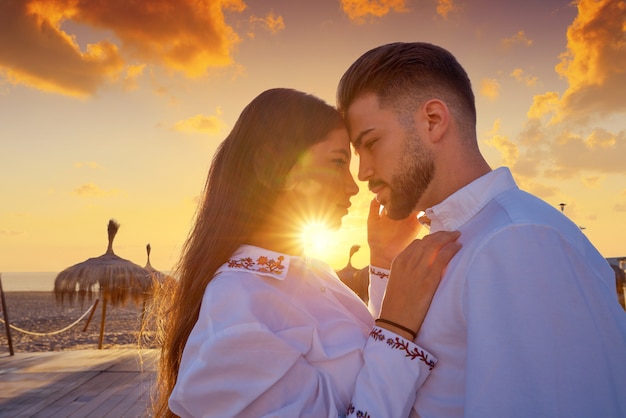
143, 315
143, 311
104, 314
93, 310
6, 318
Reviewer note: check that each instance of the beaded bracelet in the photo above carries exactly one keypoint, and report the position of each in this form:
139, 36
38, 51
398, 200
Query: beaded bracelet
402, 327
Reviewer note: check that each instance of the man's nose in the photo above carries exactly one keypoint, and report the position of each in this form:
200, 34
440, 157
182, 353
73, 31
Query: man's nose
365, 169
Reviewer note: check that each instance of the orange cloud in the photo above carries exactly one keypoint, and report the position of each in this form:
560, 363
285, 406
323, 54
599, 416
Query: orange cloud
91, 190
34, 50
91, 164
507, 148
490, 88
445, 7
272, 22
555, 151
594, 62
603, 152
184, 35
543, 104
358, 10
518, 39
504, 145
558, 140
133, 72
201, 124
519, 75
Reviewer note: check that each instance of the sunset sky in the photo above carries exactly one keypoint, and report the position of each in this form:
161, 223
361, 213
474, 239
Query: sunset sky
113, 109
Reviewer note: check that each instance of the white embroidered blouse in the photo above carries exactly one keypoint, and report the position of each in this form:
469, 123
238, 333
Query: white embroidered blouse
282, 336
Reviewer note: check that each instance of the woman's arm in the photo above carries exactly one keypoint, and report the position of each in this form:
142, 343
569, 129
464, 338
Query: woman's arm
249, 371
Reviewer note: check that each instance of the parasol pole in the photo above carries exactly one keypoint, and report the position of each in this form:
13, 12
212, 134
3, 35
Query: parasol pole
93, 310
112, 229
6, 318
143, 310
143, 307
104, 314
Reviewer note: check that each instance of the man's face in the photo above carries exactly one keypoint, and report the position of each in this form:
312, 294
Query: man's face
393, 159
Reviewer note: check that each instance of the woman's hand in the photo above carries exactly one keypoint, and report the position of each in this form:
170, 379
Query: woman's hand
415, 275
387, 237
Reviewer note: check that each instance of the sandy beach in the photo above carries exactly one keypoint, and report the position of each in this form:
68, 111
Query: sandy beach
39, 312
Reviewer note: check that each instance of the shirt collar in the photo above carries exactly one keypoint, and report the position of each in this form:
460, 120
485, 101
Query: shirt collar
466, 202
258, 260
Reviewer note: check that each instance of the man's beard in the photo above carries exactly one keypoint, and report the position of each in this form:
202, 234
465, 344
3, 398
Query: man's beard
412, 176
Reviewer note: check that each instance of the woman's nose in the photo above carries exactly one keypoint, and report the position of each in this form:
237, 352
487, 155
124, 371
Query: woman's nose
351, 187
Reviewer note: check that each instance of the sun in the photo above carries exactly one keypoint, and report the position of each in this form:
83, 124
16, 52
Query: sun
317, 239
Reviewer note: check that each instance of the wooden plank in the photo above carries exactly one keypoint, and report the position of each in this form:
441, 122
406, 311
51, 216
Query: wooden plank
137, 399
66, 405
82, 382
21, 360
103, 388
139, 361
15, 385
37, 401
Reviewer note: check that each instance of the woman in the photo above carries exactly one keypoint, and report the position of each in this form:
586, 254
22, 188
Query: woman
255, 328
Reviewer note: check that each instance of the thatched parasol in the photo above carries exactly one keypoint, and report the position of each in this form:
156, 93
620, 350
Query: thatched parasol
113, 278
155, 274
158, 279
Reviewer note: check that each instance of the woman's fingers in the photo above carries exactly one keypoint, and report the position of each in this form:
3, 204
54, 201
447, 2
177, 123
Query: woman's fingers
388, 237
445, 254
415, 275
374, 212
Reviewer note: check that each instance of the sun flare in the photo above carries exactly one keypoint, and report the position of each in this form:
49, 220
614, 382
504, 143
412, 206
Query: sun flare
316, 238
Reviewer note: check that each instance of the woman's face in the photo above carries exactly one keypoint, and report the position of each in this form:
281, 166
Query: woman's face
320, 185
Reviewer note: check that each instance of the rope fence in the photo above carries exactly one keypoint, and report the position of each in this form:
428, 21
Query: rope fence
43, 334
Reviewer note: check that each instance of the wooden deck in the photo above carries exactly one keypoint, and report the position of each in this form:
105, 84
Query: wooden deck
83, 383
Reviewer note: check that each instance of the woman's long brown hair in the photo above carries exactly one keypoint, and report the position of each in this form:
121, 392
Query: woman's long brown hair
243, 184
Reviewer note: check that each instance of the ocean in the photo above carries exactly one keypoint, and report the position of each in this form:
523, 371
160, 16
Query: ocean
37, 281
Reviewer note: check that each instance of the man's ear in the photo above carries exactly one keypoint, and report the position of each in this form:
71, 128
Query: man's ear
437, 116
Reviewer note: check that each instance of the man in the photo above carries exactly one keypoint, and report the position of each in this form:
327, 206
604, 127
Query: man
525, 322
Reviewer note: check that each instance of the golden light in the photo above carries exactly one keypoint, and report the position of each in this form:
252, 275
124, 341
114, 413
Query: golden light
316, 238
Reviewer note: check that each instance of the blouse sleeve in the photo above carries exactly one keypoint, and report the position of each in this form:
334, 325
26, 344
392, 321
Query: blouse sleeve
246, 370
394, 369
378, 283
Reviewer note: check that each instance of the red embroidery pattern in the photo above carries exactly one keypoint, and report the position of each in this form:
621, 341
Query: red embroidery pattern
399, 344
359, 414
380, 274
262, 264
